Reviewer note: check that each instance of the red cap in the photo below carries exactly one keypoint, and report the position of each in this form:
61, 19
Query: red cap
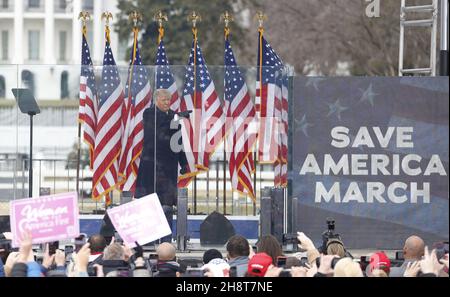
258, 264
380, 261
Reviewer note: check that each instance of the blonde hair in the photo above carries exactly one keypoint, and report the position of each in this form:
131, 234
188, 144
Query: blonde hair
347, 268
113, 252
10, 261
162, 92
336, 248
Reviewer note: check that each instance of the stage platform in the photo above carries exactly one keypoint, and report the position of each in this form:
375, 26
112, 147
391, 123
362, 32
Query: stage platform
246, 226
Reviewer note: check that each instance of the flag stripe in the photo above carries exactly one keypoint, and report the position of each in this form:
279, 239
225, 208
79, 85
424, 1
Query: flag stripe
108, 130
138, 91
240, 115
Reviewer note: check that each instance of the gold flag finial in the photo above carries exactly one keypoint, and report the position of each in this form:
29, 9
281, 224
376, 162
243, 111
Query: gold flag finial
160, 17
226, 17
194, 17
84, 16
107, 16
261, 17
135, 17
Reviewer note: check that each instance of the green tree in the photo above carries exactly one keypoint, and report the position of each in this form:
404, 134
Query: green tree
178, 34
72, 158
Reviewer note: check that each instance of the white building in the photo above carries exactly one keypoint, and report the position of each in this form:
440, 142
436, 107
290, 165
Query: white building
41, 37
40, 48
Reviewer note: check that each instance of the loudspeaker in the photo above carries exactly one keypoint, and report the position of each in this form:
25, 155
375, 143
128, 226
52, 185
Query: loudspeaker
216, 229
125, 197
265, 216
295, 214
182, 221
5, 224
278, 213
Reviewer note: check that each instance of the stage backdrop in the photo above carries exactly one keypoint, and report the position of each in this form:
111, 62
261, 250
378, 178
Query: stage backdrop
372, 153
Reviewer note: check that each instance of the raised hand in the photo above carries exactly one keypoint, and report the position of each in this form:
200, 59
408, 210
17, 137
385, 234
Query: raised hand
312, 270
430, 263
60, 258
25, 250
99, 270
47, 261
127, 252
83, 258
326, 263
299, 271
412, 269
304, 242
139, 251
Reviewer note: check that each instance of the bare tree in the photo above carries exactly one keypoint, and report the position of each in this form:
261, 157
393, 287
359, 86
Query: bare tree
316, 36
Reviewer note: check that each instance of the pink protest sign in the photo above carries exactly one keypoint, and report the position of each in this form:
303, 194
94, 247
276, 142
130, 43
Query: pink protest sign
141, 220
49, 218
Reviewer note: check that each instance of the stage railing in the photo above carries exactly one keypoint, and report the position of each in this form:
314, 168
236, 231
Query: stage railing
52, 176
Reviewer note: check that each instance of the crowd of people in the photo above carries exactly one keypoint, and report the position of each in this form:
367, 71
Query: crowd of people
100, 258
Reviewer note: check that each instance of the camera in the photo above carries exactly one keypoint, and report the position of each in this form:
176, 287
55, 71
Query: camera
441, 249
290, 238
330, 224
281, 261
152, 262
290, 242
117, 238
80, 241
52, 247
68, 250
329, 235
304, 262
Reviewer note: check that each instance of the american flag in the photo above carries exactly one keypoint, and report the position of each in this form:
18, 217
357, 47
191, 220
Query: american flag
281, 110
138, 99
240, 116
207, 123
284, 130
164, 78
269, 107
87, 114
109, 128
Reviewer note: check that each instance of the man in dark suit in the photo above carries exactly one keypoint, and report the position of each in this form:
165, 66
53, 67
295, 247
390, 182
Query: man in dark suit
158, 168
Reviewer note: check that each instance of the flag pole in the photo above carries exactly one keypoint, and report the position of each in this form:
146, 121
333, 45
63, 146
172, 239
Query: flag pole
194, 18
134, 17
107, 16
226, 18
158, 17
84, 16
260, 17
